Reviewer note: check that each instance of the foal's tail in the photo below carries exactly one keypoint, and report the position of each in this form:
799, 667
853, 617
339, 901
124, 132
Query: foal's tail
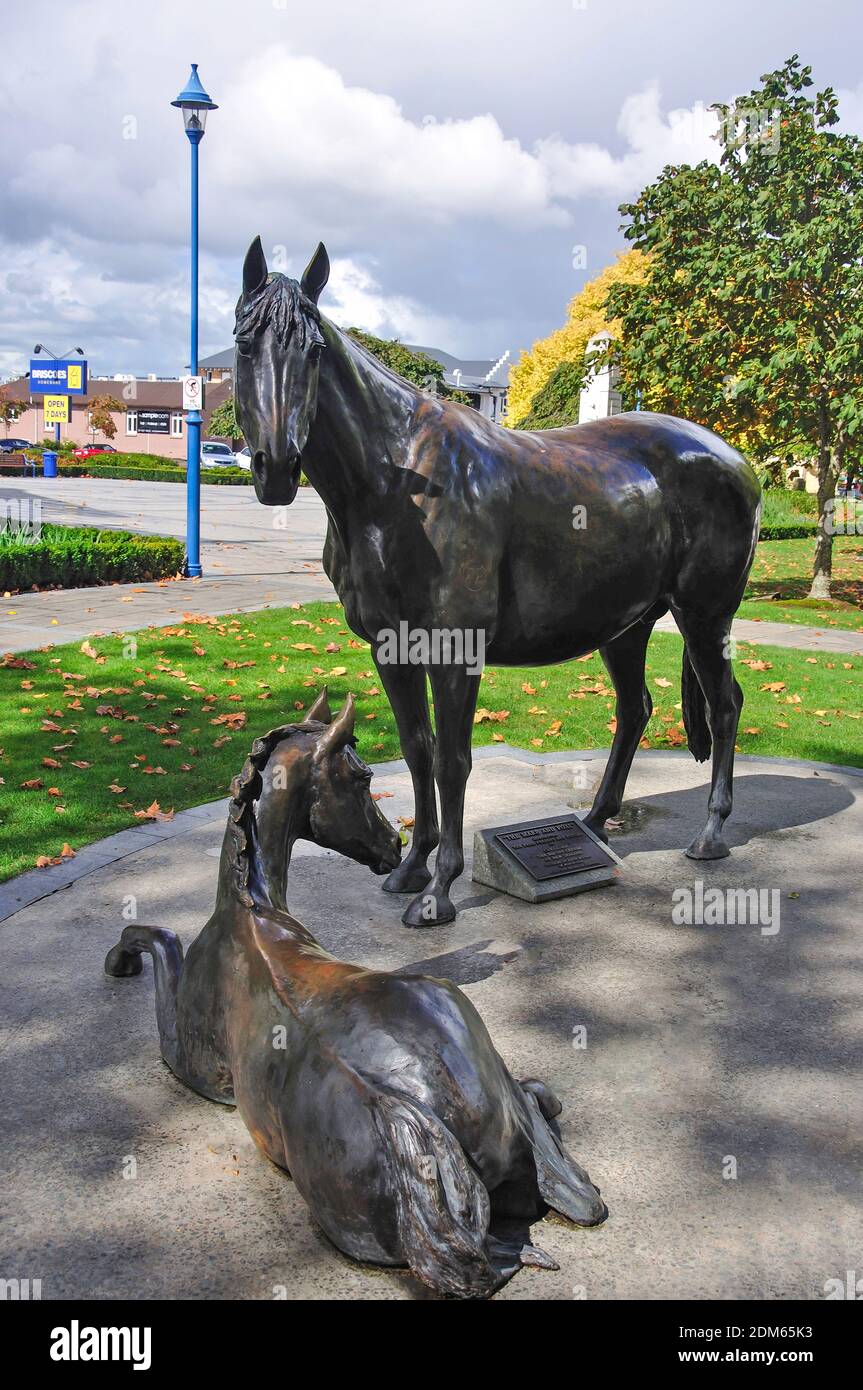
167, 952
443, 1207
695, 713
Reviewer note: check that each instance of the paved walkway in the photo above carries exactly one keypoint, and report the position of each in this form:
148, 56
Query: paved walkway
253, 557
717, 1101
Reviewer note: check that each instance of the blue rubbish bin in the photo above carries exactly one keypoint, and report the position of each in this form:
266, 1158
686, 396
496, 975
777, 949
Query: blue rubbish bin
49, 465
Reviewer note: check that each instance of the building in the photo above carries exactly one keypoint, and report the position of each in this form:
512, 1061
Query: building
599, 395
151, 420
485, 382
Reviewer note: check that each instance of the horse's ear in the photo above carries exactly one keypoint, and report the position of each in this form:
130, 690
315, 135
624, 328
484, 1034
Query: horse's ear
316, 274
320, 710
338, 733
254, 268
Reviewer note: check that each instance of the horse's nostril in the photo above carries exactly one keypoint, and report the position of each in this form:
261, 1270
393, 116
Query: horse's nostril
259, 458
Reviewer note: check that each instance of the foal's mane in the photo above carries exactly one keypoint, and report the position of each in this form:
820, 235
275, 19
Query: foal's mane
280, 303
245, 790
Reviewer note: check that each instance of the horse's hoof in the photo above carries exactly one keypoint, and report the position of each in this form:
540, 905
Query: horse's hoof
429, 910
406, 878
597, 827
708, 847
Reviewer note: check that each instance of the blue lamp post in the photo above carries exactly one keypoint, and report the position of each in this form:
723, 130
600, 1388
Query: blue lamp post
194, 103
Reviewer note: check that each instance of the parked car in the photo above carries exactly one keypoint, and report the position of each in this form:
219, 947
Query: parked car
13, 446
243, 458
88, 451
215, 455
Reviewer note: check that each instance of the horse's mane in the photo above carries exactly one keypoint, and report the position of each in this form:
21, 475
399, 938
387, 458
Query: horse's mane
280, 302
245, 789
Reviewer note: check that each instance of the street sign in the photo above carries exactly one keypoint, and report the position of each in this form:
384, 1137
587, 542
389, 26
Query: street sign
49, 375
56, 410
154, 422
193, 392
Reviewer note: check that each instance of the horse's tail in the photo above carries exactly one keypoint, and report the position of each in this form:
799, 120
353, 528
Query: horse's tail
167, 952
443, 1207
695, 712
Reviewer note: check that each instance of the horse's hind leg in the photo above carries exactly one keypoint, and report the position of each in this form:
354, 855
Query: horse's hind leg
708, 645
406, 690
624, 659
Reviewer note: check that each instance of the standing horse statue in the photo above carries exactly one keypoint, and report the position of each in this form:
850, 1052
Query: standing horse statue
441, 519
381, 1094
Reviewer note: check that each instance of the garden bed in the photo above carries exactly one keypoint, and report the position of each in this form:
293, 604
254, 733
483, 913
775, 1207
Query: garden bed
73, 557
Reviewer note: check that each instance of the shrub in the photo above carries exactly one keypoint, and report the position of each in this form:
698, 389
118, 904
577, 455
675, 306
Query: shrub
73, 557
158, 473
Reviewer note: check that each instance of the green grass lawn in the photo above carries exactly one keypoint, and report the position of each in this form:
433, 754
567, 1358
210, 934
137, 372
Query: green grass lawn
101, 732
785, 567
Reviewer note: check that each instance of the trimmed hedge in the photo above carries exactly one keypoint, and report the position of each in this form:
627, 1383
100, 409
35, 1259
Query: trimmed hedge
89, 468
76, 556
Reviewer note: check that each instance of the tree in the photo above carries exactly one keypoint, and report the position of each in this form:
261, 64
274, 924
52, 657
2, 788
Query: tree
750, 318
223, 421
9, 412
101, 420
585, 317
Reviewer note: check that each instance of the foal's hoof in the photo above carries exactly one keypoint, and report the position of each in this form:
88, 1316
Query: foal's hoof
708, 847
406, 878
121, 963
429, 910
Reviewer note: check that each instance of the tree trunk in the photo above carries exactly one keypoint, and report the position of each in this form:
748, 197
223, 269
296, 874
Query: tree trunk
829, 465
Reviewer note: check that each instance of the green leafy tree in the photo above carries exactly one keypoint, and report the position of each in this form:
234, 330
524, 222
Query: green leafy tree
223, 421
101, 419
750, 317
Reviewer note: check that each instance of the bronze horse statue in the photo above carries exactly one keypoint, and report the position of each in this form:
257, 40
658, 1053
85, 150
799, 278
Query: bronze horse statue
548, 543
381, 1094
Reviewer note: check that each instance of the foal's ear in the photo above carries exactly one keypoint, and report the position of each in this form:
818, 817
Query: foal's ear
339, 732
254, 268
320, 710
316, 274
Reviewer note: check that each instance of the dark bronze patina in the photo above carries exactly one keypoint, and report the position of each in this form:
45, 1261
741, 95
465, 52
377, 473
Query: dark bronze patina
551, 543
381, 1094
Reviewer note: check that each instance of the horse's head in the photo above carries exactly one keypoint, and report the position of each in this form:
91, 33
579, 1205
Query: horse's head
279, 344
314, 786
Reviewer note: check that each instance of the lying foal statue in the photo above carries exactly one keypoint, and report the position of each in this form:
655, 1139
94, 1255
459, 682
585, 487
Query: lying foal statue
381, 1094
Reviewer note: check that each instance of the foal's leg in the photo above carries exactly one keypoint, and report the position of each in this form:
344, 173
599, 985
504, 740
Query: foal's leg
455, 695
709, 647
624, 659
406, 691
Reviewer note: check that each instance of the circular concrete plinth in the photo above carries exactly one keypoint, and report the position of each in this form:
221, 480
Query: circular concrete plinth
709, 1070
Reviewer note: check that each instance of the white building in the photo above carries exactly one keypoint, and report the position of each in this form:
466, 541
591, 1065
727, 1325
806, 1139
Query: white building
599, 395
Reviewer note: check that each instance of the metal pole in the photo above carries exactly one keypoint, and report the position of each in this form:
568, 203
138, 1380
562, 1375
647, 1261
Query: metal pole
193, 417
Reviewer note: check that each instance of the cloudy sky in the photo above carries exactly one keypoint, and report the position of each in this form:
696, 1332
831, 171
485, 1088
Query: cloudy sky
450, 155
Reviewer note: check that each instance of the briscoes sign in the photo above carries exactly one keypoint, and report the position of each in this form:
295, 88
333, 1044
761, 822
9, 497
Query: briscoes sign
52, 376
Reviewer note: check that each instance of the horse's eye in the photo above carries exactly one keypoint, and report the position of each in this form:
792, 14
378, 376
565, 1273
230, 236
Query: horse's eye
244, 346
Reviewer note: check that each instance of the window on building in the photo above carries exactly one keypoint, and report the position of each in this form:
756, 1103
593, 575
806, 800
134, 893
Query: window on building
131, 422
177, 424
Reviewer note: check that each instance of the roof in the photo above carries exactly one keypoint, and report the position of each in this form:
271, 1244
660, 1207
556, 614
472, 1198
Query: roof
149, 395
473, 371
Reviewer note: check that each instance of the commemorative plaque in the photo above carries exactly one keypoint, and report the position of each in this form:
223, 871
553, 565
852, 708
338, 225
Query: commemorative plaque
542, 859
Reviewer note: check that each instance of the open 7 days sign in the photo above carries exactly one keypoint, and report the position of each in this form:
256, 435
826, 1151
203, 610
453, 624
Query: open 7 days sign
58, 378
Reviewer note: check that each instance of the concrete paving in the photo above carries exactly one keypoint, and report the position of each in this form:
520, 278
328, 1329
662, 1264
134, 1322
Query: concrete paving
710, 1051
253, 557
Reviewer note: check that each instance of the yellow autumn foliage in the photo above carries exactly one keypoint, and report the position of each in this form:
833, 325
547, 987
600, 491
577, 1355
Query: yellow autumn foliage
584, 318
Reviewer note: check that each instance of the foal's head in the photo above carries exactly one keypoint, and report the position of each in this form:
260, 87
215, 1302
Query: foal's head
305, 781
279, 345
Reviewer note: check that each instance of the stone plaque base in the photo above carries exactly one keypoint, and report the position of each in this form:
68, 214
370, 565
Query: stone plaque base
543, 859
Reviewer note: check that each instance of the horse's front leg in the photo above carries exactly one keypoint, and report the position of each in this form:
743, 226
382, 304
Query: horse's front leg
455, 694
406, 691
